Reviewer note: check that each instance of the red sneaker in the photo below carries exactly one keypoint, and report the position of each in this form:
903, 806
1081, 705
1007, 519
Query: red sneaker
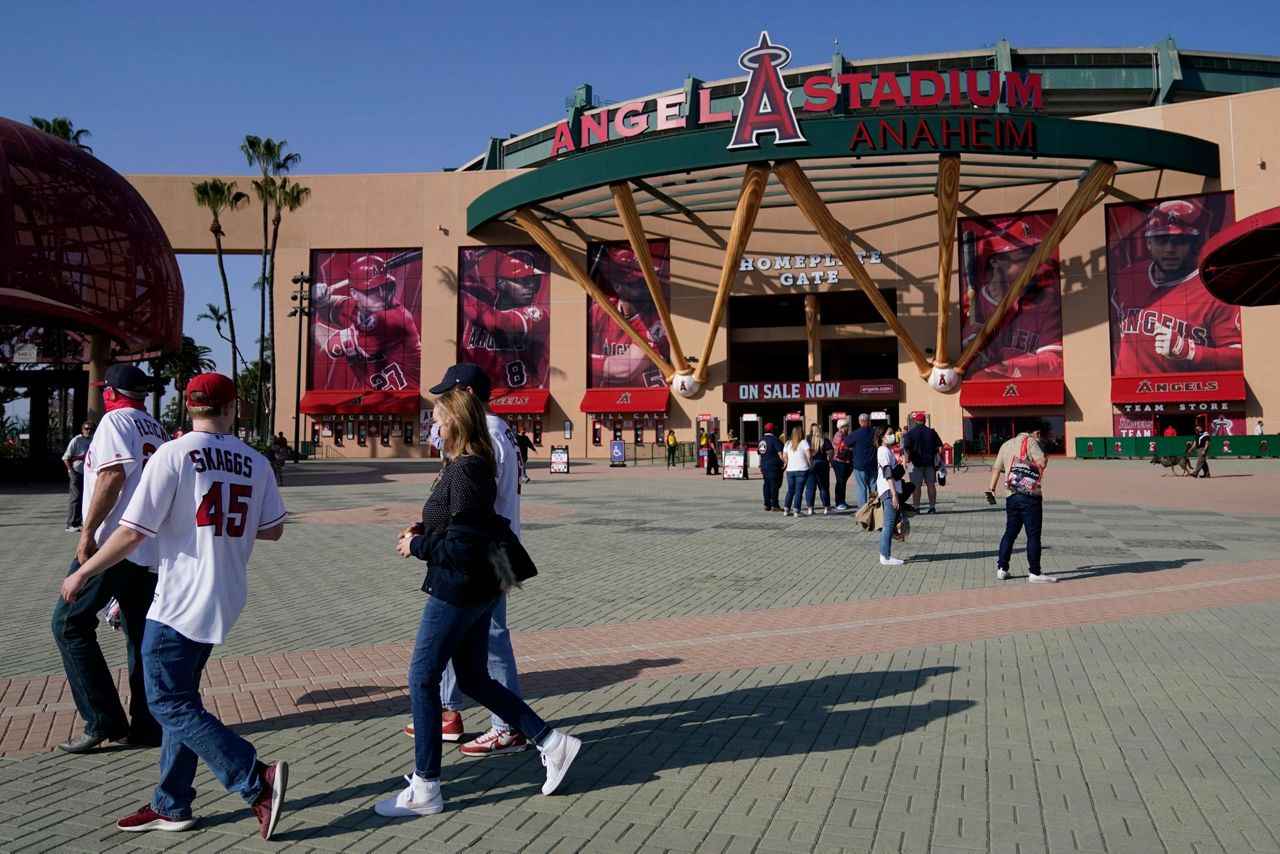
493, 742
148, 819
270, 802
450, 726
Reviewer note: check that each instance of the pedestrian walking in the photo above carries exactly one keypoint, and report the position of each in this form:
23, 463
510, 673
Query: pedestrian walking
525, 444
841, 462
770, 450
796, 455
889, 474
73, 459
1202, 453
462, 593
1021, 462
124, 440
201, 502
819, 480
713, 456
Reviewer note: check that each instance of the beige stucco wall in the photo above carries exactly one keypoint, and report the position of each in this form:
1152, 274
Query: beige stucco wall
429, 211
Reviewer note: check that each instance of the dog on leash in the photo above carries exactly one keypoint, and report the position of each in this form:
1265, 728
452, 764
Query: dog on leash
1178, 465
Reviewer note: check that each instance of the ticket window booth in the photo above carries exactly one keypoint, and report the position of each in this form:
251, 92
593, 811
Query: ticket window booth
597, 432
617, 430
660, 430
408, 433
704, 423
751, 431
790, 422
315, 434
362, 433
536, 431
638, 432
833, 422
384, 432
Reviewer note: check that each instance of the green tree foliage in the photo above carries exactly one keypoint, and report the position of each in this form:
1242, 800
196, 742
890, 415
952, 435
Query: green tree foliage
63, 129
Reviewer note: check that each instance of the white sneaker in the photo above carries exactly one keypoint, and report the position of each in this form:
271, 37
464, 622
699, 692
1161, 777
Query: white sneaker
420, 797
71, 529
808, 511
826, 511
1043, 579
789, 513
558, 754
890, 561
1001, 574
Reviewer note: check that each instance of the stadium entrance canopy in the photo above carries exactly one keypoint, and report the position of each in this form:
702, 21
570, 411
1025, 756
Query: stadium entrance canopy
850, 138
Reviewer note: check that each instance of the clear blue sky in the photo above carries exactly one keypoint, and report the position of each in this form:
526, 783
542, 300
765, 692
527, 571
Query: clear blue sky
173, 87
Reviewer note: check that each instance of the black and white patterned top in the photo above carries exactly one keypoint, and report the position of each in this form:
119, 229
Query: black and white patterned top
464, 493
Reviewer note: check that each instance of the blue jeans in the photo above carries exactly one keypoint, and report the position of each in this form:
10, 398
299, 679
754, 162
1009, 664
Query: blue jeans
862, 481
75, 630
172, 664
890, 518
460, 633
502, 666
819, 480
1022, 511
795, 487
842, 472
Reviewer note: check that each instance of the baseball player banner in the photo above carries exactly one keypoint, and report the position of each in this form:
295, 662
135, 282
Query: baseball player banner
1028, 343
504, 315
364, 328
1170, 339
615, 359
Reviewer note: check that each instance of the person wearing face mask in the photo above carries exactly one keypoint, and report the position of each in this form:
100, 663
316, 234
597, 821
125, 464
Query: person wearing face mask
889, 487
124, 440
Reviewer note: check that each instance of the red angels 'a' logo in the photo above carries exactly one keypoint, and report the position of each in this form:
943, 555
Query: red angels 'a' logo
1011, 390
765, 103
625, 397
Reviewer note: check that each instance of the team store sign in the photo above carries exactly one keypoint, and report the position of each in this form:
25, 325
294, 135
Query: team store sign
765, 108
804, 269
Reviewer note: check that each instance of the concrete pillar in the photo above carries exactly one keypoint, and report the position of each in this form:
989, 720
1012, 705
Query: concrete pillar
99, 361
813, 334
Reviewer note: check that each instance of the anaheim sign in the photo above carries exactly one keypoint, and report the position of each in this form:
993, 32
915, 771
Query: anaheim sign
765, 108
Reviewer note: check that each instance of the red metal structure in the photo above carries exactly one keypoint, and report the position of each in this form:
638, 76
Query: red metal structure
1241, 264
79, 248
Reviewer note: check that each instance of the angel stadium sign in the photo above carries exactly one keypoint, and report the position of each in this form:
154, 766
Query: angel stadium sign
765, 109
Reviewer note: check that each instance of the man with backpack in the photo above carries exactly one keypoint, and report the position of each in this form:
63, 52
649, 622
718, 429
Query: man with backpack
1022, 462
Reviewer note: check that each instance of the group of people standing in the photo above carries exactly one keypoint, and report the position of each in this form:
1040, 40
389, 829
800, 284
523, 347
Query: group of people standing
866, 454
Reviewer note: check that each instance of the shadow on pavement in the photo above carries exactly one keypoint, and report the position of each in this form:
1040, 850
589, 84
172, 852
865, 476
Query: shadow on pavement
391, 701
624, 747
1117, 568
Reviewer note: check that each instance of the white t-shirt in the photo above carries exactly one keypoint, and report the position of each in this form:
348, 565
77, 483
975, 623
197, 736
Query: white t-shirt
797, 460
507, 454
127, 438
886, 457
202, 500
76, 449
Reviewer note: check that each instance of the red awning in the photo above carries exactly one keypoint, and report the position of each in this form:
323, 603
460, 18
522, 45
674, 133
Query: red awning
626, 400
1011, 392
1241, 264
355, 401
1161, 388
531, 402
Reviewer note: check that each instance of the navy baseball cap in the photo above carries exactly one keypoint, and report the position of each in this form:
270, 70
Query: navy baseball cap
461, 376
127, 378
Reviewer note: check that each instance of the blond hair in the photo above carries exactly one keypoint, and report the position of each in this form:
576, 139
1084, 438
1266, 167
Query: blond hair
468, 432
797, 436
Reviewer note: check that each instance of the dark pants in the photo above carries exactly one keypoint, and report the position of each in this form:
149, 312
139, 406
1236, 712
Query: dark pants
713, 464
173, 666
75, 629
1202, 465
74, 490
842, 472
459, 633
772, 486
818, 480
671, 455
1022, 511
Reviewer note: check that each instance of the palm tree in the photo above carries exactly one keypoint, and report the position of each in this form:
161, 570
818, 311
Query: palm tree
270, 158
219, 317
180, 366
63, 129
287, 196
218, 196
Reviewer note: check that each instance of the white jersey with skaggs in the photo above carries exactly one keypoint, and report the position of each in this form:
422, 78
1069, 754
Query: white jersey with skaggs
507, 455
127, 438
203, 498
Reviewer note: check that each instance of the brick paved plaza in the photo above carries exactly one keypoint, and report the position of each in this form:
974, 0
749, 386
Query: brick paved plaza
742, 681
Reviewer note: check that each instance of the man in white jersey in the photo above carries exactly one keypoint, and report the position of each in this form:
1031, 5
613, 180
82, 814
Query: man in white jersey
202, 502
125, 438
501, 737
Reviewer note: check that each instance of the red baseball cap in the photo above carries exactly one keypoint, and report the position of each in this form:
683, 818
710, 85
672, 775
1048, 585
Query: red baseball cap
768, 428
213, 390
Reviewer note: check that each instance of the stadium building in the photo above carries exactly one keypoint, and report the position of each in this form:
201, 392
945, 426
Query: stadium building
987, 236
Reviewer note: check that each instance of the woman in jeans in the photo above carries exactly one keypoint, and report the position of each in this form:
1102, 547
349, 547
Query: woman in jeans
890, 490
461, 594
820, 450
795, 453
